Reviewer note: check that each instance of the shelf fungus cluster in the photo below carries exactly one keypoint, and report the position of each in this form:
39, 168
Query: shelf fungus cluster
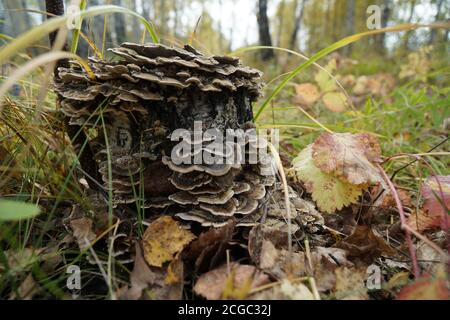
131, 108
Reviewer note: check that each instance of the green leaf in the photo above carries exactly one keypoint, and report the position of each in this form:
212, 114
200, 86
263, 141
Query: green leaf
14, 210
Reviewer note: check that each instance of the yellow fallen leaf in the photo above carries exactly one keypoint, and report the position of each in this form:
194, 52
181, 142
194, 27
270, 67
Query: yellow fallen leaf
329, 192
163, 239
175, 271
335, 101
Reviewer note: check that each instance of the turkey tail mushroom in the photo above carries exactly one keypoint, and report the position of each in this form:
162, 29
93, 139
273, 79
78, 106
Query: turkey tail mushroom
153, 90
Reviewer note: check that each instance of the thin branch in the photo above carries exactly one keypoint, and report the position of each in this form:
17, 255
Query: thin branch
404, 226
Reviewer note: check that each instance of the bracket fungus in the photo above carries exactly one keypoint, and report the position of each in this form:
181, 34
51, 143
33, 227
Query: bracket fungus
146, 94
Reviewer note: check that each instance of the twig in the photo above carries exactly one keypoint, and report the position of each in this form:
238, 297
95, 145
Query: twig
398, 202
415, 160
406, 165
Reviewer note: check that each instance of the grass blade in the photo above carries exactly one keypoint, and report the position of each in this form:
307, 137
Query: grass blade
14, 210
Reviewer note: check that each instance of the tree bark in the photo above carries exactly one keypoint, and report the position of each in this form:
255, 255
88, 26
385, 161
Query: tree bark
436, 18
56, 8
264, 30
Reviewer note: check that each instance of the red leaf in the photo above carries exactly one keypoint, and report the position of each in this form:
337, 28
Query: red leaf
425, 288
436, 192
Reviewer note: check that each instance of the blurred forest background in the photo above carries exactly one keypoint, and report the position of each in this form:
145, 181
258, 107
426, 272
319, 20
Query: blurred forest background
224, 25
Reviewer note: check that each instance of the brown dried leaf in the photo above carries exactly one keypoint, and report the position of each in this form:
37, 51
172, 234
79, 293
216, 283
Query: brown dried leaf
83, 232
351, 157
210, 245
27, 289
350, 284
281, 263
363, 243
287, 290
163, 239
306, 94
259, 233
241, 279
389, 202
150, 283
422, 220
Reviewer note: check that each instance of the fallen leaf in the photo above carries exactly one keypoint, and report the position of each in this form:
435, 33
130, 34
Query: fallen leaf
436, 192
261, 232
210, 246
287, 290
350, 284
212, 284
82, 231
163, 239
335, 101
269, 255
398, 280
306, 94
429, 259
388, 200
175, 271
329, 192
332, 98
27, 289
351, 157
347, 80
280, 263
364, 244
361, 86
422, 221
150, 283
426, 288
324, 262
